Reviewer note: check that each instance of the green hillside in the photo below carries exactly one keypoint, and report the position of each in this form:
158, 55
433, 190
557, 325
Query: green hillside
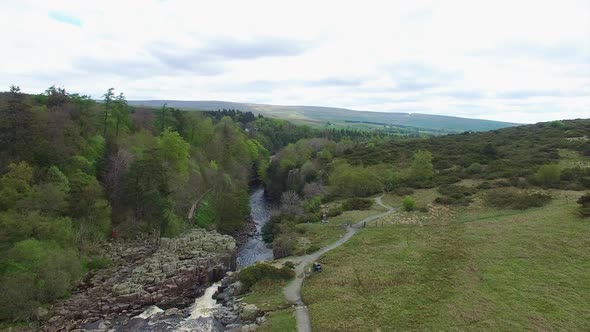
342, 118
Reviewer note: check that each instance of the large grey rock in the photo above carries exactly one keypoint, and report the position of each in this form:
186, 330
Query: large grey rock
40, 313
249, 312
236, 288
249, 328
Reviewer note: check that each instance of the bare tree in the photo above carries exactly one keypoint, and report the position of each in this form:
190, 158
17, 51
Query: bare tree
291, 203
113, 179
313, 189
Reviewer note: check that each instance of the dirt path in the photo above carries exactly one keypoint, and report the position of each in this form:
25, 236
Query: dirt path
293, 290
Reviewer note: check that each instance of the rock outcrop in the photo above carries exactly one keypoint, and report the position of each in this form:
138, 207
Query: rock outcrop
170, 275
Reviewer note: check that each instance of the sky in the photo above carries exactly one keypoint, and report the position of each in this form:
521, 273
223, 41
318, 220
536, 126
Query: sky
518, 61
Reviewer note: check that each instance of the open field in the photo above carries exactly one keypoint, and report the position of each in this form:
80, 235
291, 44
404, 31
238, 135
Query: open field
314, 236
423, 197
281, 320
268, 296
486, 269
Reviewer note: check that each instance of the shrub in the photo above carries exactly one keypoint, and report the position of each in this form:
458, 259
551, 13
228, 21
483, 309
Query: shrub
474, 168
409, 203
39, 272
484, 185
403, 191
447, 179
584, 209
270, 229
455, 195
335, 211
357, 204
98, 263
517, 199
205, 214
289, 264
313, 205
548, 175
252, 274
309, 217
283, 245
347, 180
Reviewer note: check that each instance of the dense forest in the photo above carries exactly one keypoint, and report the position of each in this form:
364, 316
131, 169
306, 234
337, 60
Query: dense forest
76, 172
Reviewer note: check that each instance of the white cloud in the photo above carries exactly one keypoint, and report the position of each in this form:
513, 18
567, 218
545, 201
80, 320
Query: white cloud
523, 61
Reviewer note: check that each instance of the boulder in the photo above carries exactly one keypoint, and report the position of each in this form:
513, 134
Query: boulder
171, 312
40, 313
249, 313
236, 288
249, 328
260, 320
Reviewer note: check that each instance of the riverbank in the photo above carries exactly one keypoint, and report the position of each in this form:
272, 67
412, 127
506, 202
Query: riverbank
171, 276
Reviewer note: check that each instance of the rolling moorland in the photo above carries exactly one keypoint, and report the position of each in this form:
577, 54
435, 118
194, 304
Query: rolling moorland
315, 116
490, 231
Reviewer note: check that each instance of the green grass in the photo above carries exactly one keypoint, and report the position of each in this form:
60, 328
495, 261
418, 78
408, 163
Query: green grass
570, 158
495, 270
422, 197
19, 326
314, 236
280, 321
267, 295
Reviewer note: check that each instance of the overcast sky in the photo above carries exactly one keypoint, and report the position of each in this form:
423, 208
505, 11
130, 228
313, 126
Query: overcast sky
518, 61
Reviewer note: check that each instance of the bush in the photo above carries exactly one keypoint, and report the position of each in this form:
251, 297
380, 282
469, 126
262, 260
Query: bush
347, 180
270, 229
98, 263
283, 246
548, 175
335, 211
484, 185
517, 199
313, 205
357, 204
455, 195
409, 203
205, 214
309, 217
475, 168
252, 274
584, 209
403, 191
40, 272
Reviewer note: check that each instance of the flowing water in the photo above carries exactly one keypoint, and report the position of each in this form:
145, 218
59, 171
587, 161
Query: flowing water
203, 309
201, 312
255, 249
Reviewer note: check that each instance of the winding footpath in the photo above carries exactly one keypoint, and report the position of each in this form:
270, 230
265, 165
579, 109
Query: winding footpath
292, 291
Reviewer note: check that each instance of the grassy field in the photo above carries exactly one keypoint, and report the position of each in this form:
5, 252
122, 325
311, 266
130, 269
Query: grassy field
268, 296
279, 321
313, 236
422, 197
484, 269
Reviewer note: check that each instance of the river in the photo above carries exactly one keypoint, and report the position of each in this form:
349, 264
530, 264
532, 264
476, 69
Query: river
255, 249
202, 311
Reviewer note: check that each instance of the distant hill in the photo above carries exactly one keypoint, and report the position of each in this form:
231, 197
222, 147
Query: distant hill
339, 117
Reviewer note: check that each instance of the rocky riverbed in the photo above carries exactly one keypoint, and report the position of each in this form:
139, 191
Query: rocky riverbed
169, 275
